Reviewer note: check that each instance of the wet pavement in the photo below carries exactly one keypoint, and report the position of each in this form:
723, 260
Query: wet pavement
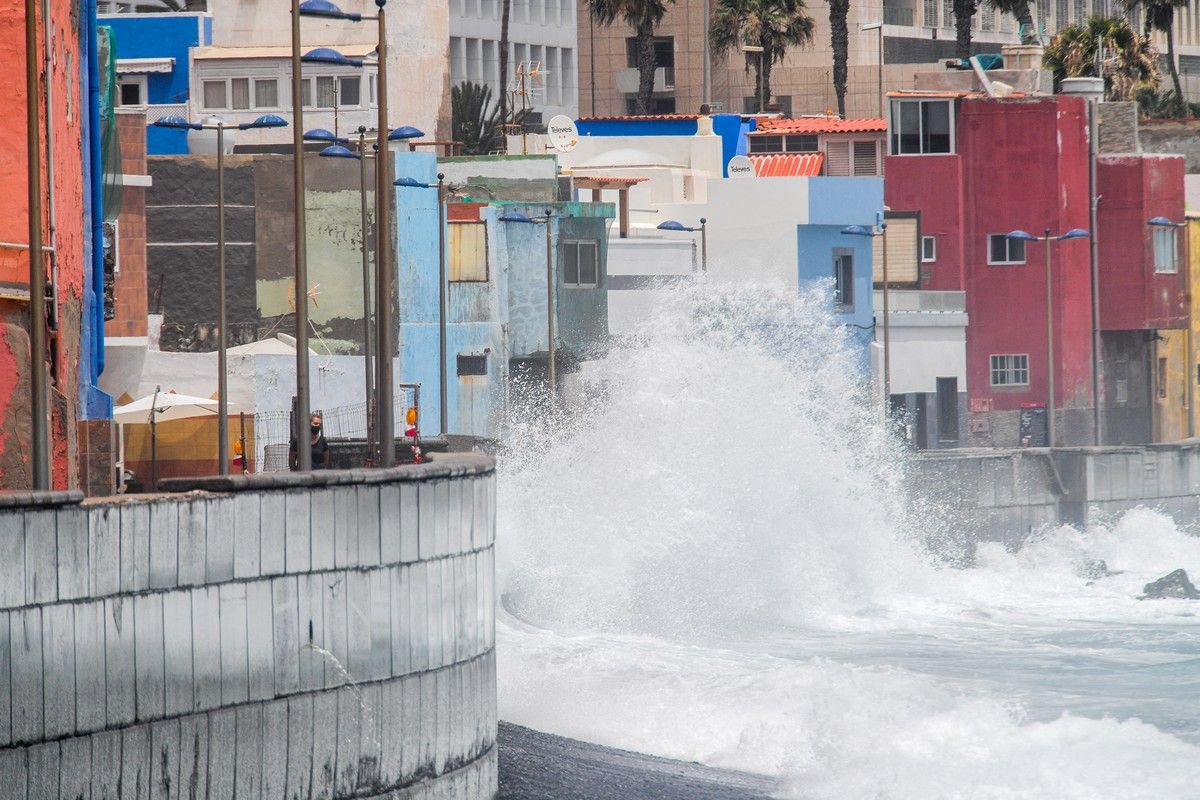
538, 766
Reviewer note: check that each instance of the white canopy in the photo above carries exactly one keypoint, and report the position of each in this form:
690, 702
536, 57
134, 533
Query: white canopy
170, 406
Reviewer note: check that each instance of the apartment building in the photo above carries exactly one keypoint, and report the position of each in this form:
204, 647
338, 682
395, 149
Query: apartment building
916, 36
542, 36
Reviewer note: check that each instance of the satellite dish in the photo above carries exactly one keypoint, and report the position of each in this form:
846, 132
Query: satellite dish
741, 167
562, 133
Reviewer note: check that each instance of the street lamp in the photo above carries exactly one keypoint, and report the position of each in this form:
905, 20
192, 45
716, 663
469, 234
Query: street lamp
413, 183
522, 218
881, 230
325, 10
1164, 222
217, 124
1074, 233
672, 225
878, 26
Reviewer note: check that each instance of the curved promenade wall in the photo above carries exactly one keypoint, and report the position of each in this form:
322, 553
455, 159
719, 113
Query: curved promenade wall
291, 637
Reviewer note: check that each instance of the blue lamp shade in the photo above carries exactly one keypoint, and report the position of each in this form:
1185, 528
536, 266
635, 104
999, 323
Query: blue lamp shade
1025, 236
1075, 233
265, 121
326, 9
405, 132
327, 55
338, 151
672, 225
175, 121
324, 135
857, 230
1162, 221
515, 216
411, 183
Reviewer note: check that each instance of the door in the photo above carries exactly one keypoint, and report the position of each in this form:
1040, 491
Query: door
947, 411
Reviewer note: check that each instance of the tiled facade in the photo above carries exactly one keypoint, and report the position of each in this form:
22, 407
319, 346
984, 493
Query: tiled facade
129, 292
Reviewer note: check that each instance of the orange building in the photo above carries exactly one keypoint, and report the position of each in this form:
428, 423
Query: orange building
69, 194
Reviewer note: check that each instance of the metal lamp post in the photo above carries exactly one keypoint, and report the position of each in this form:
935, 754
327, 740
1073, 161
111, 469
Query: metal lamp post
519, 217
383, 273
878, 26
1074, 233
1189, 374
443, 369
217, 124
881, 230
672, 225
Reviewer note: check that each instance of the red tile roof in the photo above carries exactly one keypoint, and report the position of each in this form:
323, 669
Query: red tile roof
776, 127
639, 118
788, 165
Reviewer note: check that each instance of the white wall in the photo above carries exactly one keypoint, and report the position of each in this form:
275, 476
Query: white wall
674, 254
926, 347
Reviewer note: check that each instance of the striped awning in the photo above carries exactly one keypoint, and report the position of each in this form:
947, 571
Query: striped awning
137, 66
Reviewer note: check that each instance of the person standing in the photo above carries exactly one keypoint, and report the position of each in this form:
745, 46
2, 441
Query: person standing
320, 447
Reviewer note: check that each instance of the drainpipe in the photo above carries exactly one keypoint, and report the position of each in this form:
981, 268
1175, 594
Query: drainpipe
53, 310
96, 190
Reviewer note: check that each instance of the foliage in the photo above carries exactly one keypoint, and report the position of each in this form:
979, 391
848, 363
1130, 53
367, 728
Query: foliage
1167, 105
964, 14
643, 16
1020, 10
1159, 16
773, 25
474, 121
1130, 62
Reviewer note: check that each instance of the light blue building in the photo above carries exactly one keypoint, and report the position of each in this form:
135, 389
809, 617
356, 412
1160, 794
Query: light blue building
497, 299
153, 68
841, 262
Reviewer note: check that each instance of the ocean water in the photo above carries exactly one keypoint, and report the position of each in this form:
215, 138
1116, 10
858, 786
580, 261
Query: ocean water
712, 557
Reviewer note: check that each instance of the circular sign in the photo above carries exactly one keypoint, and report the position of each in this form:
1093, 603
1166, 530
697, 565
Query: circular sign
562, 133
741, 167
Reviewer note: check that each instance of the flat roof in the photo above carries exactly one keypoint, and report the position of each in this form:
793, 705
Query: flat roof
285, 51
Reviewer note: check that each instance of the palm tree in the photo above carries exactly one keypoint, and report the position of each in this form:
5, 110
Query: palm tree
1160, 16
964, 12
839, 38
643, 16
1131, 63
505, 12
772, 25
1020, 10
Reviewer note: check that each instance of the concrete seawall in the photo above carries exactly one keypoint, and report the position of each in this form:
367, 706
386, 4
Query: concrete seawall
295, 637
1005, 495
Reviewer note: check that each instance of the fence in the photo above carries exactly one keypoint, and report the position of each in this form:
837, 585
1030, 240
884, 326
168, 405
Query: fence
272, 433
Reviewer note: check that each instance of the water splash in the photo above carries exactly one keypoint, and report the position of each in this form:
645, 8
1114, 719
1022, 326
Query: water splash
712, 557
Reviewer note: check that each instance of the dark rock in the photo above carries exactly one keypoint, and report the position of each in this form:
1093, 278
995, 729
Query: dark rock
1174, 584
1094, 569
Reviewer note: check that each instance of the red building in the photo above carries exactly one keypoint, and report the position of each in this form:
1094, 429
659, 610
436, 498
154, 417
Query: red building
976, 167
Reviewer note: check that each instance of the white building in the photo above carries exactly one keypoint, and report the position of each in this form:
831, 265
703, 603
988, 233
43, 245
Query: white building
541, 32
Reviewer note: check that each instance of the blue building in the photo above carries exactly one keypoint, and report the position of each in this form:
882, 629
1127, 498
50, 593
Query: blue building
153, 67
497, 299
730, 128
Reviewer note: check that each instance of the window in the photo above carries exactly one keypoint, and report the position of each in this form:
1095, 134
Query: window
266, 93
466, 250
928, 249
472, 364
806, 143
664, 51
1010, 370
351, 94
240, 93
766, 144
921, 127
306, 93
865, 160
580, 264
1164, 250
133, 90
214, 94
658, 105
837, 158
371, 81
1002, 250
326, 92
843, 280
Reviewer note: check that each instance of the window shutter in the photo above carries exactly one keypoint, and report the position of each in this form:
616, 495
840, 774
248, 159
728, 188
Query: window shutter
902, 252
865, 160
467, 251
837, 158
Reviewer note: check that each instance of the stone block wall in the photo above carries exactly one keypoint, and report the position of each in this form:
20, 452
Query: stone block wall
325, 636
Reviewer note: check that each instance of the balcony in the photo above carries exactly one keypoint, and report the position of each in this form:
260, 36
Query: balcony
916, 301
628, 79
